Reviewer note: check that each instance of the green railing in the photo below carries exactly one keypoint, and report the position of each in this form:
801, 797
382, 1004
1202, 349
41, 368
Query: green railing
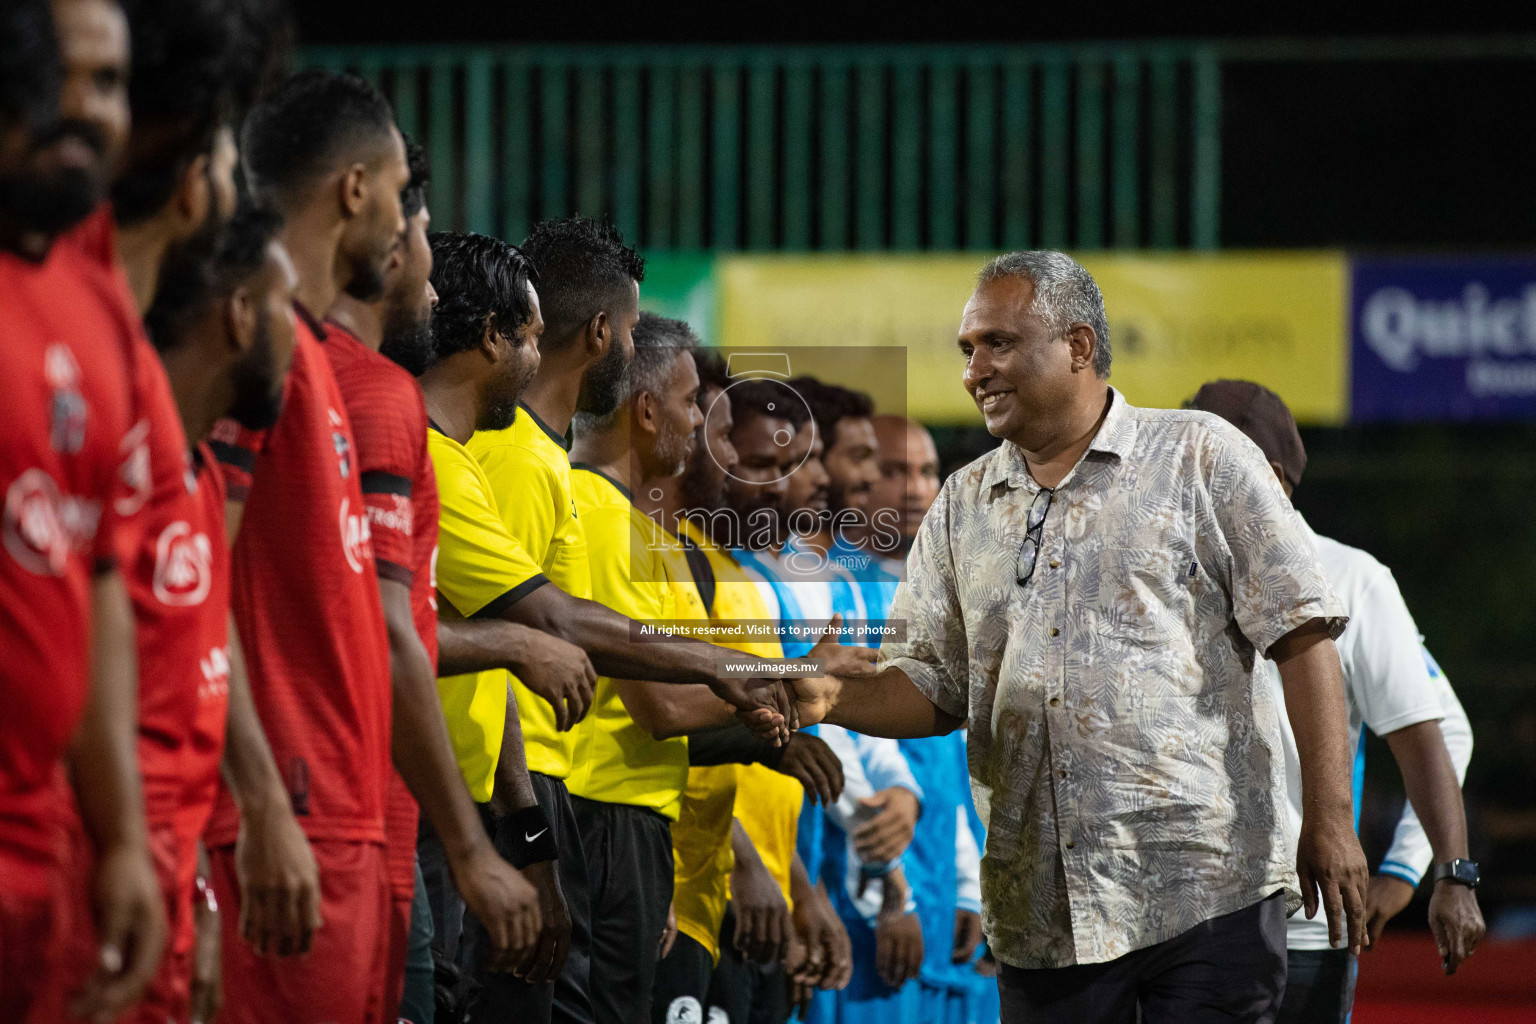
839, 148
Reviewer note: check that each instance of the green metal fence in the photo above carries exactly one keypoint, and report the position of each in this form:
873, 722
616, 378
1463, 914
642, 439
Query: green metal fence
839, 148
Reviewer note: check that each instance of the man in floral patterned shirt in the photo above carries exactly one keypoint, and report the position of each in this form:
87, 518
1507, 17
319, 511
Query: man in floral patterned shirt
1093, 596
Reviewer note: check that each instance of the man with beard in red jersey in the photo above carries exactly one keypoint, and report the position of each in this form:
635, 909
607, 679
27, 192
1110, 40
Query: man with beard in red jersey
224, 328
389, 423
323, 150
171, 201
67, 682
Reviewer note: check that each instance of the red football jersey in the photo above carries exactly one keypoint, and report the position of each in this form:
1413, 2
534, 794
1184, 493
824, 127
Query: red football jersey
389, 424
205, 740
178, 579
306, 601
67, 411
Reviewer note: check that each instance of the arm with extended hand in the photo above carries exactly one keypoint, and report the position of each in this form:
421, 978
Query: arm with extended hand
606, 637
1329, 858
921, 687
886, 704
1411, 852
422, 754
553, 668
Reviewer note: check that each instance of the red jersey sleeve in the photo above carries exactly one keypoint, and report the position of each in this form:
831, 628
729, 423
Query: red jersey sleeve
390, 429
237, 449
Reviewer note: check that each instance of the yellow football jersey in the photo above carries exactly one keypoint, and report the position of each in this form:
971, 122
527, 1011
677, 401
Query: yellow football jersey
616, 761
530, 476
479, 565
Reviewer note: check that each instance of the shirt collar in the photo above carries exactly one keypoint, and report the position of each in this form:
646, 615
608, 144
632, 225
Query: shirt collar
628, 496
559, 439
1116, 436
315, 326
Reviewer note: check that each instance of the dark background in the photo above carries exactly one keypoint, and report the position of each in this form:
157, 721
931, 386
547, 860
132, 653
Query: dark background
1384, 154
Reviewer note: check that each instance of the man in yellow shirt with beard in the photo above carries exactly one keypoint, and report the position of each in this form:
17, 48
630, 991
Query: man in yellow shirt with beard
630, 765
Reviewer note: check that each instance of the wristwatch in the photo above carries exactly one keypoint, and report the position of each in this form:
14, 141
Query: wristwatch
1462, 872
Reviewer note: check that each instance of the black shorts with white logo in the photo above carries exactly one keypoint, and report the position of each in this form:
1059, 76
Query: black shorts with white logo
682, 984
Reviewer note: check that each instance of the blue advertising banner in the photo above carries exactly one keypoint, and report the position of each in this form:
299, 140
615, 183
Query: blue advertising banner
1443, 338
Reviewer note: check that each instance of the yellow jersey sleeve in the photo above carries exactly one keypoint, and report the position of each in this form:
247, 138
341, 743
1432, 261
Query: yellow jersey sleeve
531, 476
480, 564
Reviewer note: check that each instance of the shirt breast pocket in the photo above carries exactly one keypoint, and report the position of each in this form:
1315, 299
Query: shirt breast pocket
1145, 595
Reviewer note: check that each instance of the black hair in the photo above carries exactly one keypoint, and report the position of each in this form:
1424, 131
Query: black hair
831, 404
30, 68
711, 370
768, 398
477, 277
188, 284
196, 66
583, 266
307, 126
414, 196
658, 342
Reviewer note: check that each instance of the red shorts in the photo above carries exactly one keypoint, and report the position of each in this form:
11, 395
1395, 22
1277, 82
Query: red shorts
29, 932
168, 996
47, 934
399, 946
341, 980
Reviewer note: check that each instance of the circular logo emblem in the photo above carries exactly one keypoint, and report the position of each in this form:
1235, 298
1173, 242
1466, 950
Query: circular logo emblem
183, 566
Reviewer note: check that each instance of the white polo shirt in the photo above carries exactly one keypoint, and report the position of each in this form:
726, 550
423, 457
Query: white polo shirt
1390, 683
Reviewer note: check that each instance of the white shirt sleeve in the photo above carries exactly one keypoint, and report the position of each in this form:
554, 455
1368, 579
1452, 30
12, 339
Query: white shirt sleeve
1410, 854
1383, 660
967, 864
885, 765
870, 764
855, 783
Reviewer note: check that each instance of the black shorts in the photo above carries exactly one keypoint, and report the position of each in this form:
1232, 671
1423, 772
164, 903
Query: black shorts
743, 991
505, 997
629, 877
682, 984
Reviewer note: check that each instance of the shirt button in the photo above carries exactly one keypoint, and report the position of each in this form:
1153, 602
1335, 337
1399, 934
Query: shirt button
1071, 844
1055, 563
1061, 773
1055, 702
1055, 631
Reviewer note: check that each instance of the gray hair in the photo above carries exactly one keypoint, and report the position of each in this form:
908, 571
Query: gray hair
1065, 294
658, 340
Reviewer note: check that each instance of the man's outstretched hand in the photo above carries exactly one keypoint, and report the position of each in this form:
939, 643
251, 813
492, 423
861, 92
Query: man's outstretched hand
838, 658
762, 703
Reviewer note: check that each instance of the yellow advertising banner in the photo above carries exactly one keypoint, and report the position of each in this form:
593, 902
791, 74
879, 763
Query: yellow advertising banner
1176, 320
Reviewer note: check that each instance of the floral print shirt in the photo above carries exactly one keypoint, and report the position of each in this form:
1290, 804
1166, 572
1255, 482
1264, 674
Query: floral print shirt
1124, 755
